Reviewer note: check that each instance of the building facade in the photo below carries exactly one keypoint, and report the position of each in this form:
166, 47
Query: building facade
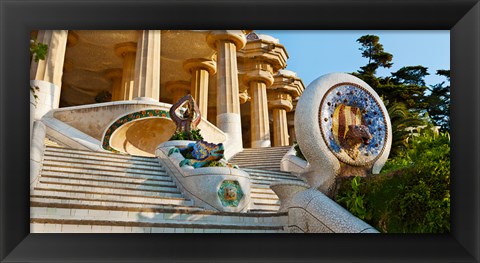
237, 77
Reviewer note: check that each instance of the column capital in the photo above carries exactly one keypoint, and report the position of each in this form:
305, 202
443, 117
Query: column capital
121, 49
113, 73
258, 75
236, 37
265, 49
244, 97
278, 99
288, 82
178, 85
200, 63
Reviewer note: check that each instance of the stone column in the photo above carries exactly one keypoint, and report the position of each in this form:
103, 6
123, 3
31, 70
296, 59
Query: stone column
147, 66
178, 88
115, 75
261, 56
227, 43
281, 94
200, 69
280, 103
127, 52
46, 75
258, 81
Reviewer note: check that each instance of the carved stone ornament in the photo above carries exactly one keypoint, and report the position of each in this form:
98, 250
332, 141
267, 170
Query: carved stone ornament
189, 119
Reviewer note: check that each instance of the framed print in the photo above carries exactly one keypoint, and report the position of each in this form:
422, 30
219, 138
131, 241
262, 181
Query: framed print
167, 117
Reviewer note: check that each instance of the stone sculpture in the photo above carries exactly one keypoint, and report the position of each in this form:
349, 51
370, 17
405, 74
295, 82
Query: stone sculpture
342, 128
190, 118
201, 153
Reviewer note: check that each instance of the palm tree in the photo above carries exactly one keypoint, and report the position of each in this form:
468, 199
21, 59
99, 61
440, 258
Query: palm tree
404, 123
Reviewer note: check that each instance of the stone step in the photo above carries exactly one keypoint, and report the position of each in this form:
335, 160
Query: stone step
262, 190
256, 195
52, 155
69, 214
276, 148
56, 201
266, 201
106, 184
260, 156
53, 142
107, 191
72, 162
73, 166
267, 176
161, 176
152, 180
152, 215
89, 195
98, 226
252, 160
265, 207
267, 183
259, 166
117, 156
259, 171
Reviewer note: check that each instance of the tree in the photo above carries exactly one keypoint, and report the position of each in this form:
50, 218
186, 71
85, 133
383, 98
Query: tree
402, 92
438, 102
377, 57
407, 86
411, 75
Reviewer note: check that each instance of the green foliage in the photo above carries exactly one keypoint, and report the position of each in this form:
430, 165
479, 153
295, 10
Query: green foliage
353, 200
412, 195
402, 119
38, 50
298, 152
196, 136
438, 102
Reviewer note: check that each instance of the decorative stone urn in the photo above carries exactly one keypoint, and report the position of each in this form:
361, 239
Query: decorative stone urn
342, 128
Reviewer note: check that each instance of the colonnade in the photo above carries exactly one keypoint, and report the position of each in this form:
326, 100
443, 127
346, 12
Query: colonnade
270, 89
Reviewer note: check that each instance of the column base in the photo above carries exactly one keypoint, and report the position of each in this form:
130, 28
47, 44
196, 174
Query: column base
261, 144
231, 125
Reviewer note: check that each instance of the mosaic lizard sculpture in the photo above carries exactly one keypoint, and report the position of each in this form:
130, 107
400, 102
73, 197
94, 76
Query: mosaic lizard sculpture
190, 118
202, 153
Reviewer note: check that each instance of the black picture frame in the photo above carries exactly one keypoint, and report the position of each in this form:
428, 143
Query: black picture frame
461, 17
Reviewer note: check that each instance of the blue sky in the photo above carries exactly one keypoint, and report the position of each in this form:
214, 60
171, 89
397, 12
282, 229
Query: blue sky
314, 53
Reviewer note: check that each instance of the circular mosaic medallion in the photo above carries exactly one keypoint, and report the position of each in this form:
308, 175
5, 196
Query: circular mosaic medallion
353, 124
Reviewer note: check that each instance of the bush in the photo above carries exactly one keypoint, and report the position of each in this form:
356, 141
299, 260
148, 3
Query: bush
412, 194
196, 136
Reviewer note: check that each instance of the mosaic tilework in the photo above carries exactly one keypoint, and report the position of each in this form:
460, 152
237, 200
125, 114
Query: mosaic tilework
252, 36
128, 118
372, 116
230, 193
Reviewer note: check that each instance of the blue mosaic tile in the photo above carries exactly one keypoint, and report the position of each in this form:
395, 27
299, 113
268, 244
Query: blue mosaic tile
354, 96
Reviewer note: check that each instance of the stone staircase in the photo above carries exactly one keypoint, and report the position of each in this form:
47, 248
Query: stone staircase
260, 158
92, 192
263, 166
